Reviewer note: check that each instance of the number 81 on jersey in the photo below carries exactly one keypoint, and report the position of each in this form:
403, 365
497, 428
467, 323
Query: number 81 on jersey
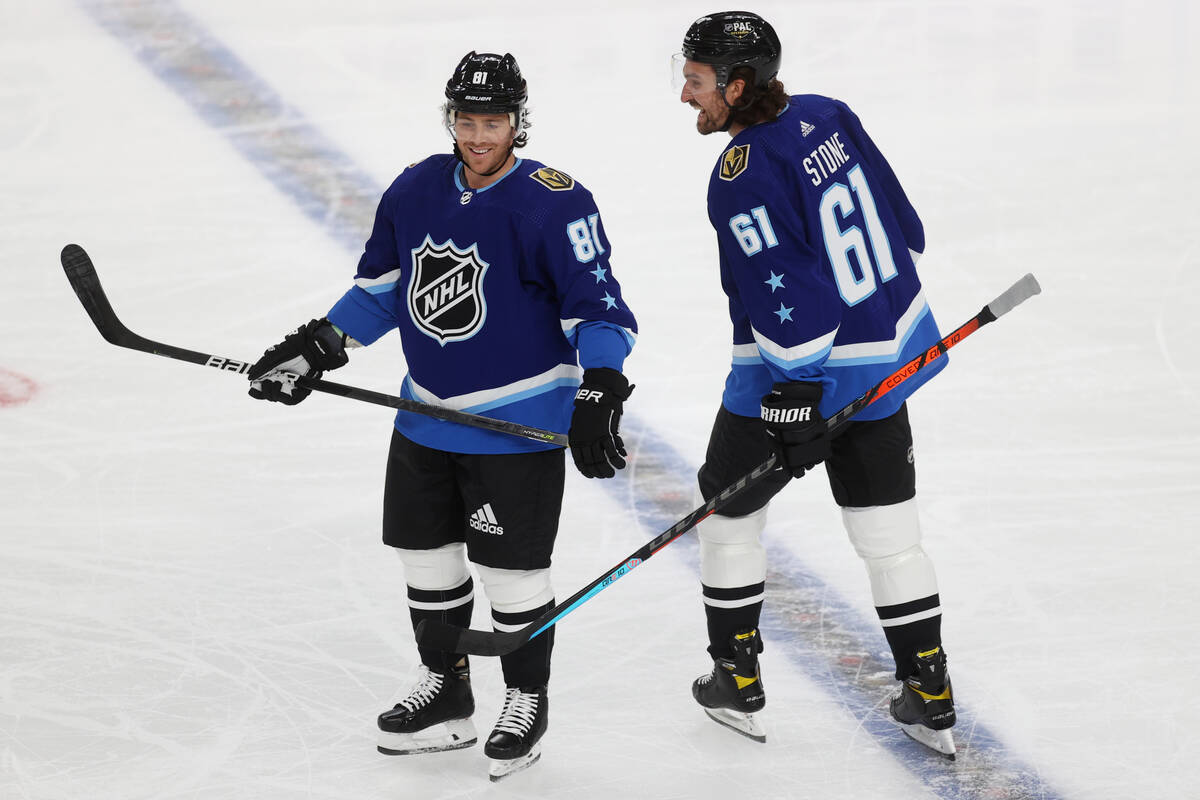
584, 236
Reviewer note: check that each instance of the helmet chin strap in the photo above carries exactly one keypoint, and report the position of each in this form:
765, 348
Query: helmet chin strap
729, 118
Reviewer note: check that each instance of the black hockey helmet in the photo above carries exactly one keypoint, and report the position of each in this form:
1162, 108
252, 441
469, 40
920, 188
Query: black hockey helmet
730, 39
486, 83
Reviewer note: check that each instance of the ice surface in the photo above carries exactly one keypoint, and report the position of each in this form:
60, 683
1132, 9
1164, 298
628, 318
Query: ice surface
193, 598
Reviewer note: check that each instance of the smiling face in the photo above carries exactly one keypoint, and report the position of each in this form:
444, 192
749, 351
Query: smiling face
485, 141
701, 93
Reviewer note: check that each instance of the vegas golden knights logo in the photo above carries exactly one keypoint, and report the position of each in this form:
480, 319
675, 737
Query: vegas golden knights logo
445, 292
554, 180
735, 161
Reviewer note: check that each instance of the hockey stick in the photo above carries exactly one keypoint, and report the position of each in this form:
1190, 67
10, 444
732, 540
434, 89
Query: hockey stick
454, 639
86, 283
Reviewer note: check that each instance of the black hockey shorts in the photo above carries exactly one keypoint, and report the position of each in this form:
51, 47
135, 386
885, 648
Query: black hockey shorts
505, 507
871, 463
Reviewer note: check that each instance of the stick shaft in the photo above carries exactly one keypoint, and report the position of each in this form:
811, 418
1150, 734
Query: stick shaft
455, 639
81, 273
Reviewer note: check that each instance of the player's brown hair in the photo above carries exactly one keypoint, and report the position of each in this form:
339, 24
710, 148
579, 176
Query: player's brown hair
757, 104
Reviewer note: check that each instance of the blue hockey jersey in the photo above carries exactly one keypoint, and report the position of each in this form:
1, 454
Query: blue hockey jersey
818, 245
499, 294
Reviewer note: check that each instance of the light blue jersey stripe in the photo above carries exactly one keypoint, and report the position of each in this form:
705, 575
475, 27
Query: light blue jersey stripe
525, 395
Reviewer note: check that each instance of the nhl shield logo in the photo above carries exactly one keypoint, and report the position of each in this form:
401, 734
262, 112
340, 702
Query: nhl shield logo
445, 292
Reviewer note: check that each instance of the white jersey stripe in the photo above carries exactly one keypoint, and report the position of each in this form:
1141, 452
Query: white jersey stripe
842, 355
876, 352
477, 402
746, 354
383, 283
569, 326
797, 355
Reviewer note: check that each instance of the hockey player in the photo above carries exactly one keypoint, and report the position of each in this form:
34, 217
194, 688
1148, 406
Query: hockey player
817, 246
495, 270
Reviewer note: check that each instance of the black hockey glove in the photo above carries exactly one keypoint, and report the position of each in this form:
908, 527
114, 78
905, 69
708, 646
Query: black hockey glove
595, 439
795, 427
309, 350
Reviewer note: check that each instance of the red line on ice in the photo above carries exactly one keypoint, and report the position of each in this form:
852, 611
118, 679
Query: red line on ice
15, 388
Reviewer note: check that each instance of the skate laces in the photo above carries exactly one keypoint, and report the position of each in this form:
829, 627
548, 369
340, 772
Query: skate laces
726, 666
427, 688
520, 709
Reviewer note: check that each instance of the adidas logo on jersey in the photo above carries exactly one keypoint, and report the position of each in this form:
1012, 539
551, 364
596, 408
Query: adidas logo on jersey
806, 129
484, 521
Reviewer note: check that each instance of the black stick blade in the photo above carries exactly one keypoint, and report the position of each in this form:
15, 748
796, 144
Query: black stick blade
449, 638
76, 260
81, 274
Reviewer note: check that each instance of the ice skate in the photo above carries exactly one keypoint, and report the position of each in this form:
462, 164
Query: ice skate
733, 691
924, 705
435, 716
515, 743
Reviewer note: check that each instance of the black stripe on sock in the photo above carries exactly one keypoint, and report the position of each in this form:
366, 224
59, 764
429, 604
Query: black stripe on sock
521, 617
736, 593
911, 607
440, 596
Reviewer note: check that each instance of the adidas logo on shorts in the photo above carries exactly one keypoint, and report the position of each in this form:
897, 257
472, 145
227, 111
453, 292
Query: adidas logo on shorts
484, 520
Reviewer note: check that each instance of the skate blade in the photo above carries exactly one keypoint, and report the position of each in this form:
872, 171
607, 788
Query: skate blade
745, 724
499, 769
941, 741
452, 735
